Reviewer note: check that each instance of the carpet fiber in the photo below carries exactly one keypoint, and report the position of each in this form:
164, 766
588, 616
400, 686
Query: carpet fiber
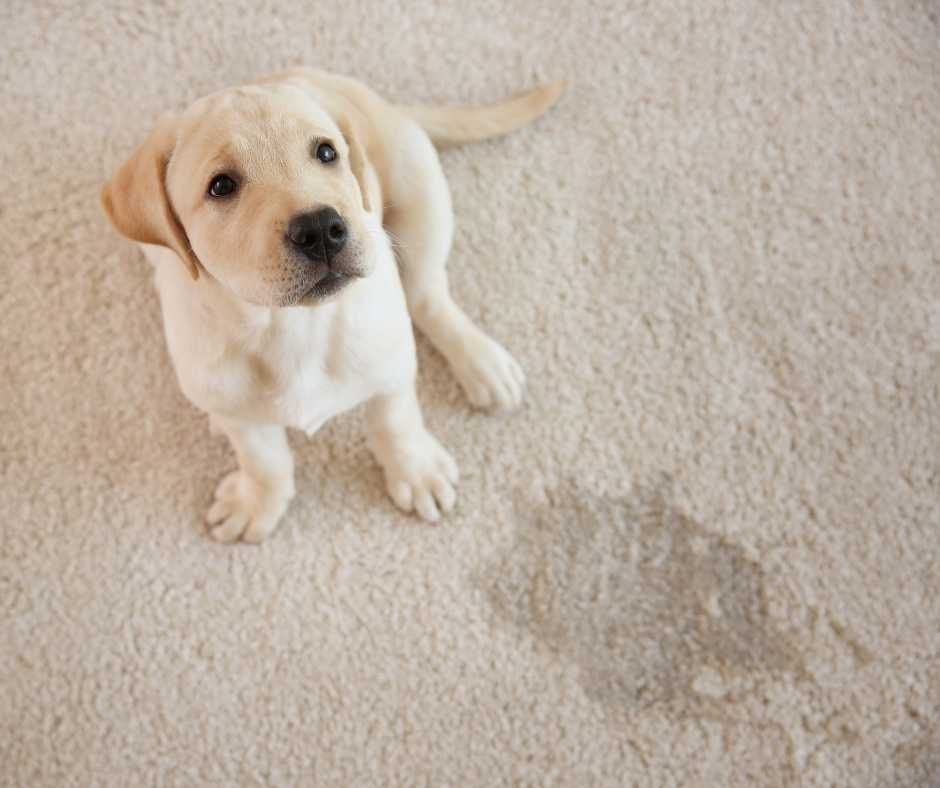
705, 551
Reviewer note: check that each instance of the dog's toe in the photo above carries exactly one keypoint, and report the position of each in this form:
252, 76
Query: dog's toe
420, 477
232, 528
244, 510
227, 488
490, 377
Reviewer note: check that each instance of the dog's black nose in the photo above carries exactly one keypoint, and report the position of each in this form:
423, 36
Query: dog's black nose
320, 235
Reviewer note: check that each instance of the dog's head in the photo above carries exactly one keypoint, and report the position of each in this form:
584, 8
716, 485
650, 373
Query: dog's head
261, 187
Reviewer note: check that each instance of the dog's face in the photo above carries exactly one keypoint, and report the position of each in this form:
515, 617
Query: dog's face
262, 188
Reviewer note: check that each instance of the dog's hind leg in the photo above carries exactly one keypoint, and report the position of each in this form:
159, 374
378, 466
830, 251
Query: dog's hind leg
421, 222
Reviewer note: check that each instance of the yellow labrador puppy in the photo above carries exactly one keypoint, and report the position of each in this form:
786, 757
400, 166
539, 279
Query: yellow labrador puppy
267, 210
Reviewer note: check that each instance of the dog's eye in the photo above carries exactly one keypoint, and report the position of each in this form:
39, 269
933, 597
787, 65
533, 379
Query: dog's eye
222, 186
326, 153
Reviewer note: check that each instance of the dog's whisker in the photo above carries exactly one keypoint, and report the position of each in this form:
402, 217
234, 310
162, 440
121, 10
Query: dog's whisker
396, 242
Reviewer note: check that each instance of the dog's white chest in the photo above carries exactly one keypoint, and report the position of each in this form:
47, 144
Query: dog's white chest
295, 367
304, 375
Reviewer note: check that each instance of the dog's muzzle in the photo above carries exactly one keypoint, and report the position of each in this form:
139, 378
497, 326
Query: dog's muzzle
321, 236
318, 235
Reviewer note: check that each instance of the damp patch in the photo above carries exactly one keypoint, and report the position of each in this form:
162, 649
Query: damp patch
652, 608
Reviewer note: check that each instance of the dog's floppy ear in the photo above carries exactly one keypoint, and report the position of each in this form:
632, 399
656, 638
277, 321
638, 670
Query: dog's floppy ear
136, 199
358, 162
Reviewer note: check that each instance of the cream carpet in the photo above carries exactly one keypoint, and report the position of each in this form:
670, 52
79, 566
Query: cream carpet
706, 551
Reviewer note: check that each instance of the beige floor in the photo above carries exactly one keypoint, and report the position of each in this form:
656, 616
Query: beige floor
704, 553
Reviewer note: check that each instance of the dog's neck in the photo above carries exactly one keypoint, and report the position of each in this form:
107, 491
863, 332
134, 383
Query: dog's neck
222, 306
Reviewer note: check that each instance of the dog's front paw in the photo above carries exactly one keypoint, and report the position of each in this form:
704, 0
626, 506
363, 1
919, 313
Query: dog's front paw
420, 475
244, 509
490, 377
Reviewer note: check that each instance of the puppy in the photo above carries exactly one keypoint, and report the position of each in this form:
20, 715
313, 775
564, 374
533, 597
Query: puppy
267, 211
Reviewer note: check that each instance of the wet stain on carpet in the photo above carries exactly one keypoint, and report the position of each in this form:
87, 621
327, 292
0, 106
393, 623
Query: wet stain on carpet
653, 608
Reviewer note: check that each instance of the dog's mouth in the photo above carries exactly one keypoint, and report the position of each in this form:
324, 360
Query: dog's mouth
329, 285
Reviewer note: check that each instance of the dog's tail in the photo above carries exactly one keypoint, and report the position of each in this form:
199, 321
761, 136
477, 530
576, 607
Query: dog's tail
457, 125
